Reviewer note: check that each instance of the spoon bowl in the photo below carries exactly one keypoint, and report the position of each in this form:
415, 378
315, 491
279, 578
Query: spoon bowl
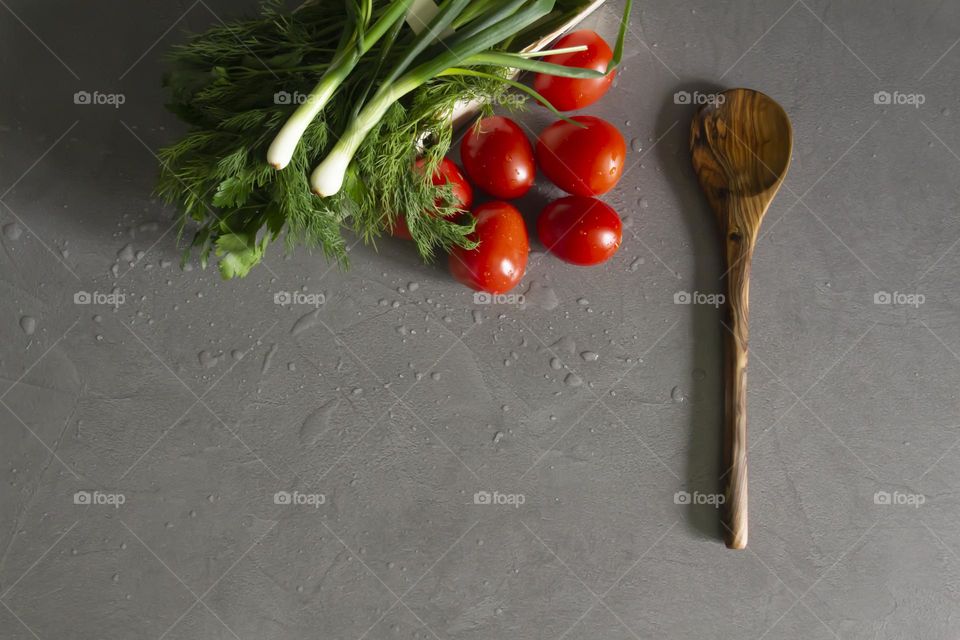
741, 145
741, 142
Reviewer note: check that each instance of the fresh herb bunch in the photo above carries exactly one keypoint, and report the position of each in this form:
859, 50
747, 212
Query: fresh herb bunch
382, 94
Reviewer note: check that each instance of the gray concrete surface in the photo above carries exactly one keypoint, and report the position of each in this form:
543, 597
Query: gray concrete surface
195, 401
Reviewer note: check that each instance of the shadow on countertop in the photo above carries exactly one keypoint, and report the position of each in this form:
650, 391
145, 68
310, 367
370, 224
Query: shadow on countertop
704, 457
92, 166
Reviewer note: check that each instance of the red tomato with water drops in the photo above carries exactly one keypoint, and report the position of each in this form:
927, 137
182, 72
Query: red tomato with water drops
447, 172
566, 94
583, 160
580, 230
498, 157
499, 262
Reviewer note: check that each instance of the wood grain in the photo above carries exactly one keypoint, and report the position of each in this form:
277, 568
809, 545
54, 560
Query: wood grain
741, 145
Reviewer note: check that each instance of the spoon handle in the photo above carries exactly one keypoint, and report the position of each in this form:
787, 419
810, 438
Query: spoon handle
739, 242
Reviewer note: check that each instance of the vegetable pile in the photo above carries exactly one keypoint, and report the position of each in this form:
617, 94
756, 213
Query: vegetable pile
309, 122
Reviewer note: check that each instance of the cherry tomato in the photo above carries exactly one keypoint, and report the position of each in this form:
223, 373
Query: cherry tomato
584, 161
498, 264
576, 93
498, 157
447, 171
579, 230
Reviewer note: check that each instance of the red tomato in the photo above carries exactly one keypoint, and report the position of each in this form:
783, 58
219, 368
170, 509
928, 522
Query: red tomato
580, 230
447, 171
576, 93
498, 157
584, 161
498, 264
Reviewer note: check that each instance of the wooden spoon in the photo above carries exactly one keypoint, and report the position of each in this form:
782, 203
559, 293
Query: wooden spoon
741, 144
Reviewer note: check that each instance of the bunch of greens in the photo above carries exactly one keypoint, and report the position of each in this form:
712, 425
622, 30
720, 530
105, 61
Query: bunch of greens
308, 121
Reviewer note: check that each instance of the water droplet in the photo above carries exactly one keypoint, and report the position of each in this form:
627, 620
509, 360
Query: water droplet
542, 295
677, 395
12, 231
268, 358
237, 354
126, 254
636, 263
636, 145
28, 324
497, 437
556, 364
590, 356
306, 321
317, 422
413, 286
573, 380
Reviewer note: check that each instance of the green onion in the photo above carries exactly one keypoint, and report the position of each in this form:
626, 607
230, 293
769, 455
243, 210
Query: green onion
283, 146
470, 48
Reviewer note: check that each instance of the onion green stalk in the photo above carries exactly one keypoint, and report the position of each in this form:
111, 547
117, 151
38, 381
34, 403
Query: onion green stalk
463, 50
281, 150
